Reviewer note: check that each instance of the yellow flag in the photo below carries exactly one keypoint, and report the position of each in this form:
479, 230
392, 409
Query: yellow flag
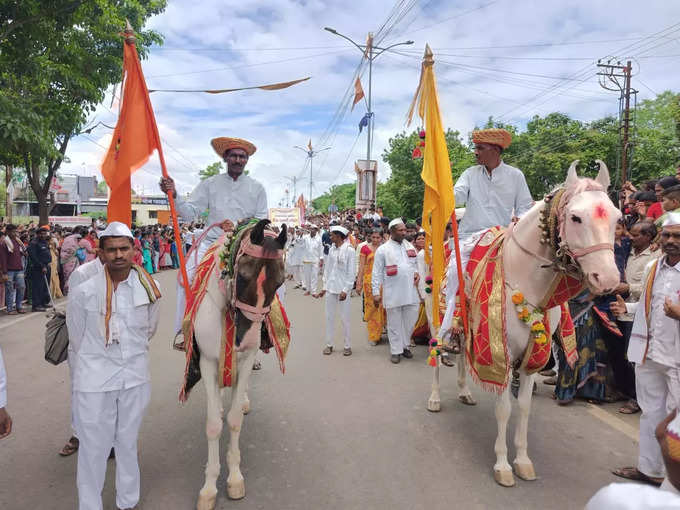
438, 202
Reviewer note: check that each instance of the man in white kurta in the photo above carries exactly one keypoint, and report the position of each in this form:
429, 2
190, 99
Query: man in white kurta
493, 192
312, 255
395, 269
338, 280
654, 347
228, 198
110, 367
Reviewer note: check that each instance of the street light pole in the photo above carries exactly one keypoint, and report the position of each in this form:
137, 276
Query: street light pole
311, 154
368, 50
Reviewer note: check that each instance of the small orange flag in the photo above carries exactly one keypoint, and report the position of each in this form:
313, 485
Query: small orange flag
134, 138
309, 145
358, 92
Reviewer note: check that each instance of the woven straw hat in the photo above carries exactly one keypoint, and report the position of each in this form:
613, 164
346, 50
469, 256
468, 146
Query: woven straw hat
499, 137
224, 143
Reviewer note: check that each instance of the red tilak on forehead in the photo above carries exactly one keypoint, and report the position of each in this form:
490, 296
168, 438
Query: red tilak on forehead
601, 212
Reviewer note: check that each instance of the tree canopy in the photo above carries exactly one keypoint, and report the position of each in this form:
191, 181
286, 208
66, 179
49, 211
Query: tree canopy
57, 61
212, 169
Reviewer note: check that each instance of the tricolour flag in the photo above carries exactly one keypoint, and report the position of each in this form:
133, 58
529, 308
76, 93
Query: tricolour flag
438, 202
134, 138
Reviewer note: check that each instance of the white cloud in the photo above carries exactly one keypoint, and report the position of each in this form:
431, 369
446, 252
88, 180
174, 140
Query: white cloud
254, 41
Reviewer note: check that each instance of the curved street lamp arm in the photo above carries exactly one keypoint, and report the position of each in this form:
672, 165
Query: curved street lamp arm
333, 31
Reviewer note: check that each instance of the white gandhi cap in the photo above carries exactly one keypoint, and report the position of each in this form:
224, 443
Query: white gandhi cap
396, 221
672, 219
116, 229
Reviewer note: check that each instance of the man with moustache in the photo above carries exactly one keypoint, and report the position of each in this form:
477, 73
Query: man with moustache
111, 317
654, 347
493, 193
228, 198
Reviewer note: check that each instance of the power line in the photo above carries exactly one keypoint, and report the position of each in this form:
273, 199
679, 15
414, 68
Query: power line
453, 17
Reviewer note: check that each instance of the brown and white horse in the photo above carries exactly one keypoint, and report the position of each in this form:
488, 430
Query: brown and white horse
585, 221
258, 273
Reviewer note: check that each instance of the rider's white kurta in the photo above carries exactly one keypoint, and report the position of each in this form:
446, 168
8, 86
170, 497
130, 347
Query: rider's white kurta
225, 199
490, 200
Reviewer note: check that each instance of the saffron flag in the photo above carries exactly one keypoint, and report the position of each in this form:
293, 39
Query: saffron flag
358, 92
134, 138
301, 205
438, 202
309, 145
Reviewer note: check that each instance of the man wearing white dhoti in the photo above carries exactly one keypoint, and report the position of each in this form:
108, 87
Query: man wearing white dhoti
228, 198
654, 347
111, 318
338, 280
395, 269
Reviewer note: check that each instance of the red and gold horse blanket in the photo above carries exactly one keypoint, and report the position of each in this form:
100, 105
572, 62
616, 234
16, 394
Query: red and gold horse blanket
486, 341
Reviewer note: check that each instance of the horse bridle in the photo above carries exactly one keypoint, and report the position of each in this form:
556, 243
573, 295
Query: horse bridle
246, 247
565, 260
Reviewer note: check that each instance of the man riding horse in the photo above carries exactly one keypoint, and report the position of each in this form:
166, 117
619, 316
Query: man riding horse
228, 198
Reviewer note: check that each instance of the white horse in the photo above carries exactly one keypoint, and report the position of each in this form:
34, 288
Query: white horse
259, 271
585, 222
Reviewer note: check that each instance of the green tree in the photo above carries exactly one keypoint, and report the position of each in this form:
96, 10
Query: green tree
210, 170
402, 193
55, 66
344, 196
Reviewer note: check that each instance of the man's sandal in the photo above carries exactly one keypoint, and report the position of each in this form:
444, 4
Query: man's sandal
632, 473
70, 447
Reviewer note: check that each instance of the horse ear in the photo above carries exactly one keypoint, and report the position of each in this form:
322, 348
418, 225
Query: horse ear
257, 234
572, 177
603, 175
283, 235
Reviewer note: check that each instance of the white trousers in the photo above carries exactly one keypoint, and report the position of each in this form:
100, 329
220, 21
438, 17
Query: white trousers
310, 276
658, 393
466, 247
335, 307
296, 271
105, 420
400, 322
191, 265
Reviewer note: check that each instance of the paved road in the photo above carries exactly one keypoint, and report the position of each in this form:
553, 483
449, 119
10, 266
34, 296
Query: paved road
333, 433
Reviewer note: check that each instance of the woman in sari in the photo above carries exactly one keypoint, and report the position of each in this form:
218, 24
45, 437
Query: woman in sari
373, 315
55, 287
89, 244
69, 260
146, 254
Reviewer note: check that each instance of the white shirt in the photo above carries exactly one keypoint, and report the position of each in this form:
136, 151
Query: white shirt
635, 271
84, 272
339, 272
3, 382
664, 332
634, 496
125, 363
491, 200
400, 289
312, 249
225, 199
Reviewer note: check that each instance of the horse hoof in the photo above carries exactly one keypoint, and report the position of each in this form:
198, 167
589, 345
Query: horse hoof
236, 490
206, 501
504, 477
434, 406
524, 471
467, 400
246, 407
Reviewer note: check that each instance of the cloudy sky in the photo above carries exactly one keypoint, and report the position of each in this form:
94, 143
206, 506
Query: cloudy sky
501, 58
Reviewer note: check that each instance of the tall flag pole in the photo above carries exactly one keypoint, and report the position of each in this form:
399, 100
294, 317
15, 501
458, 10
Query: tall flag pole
134, 140
438, 200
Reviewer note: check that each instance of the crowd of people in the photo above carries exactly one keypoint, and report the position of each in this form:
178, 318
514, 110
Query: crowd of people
36, 262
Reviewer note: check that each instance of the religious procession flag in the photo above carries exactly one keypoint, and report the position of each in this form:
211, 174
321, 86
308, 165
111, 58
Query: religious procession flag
438, 202
309, 145
134, 138
358, 92
300, 204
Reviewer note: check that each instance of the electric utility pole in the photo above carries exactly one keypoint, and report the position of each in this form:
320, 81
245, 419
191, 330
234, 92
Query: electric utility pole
370, 53
616, 77
294, 181
311, 154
